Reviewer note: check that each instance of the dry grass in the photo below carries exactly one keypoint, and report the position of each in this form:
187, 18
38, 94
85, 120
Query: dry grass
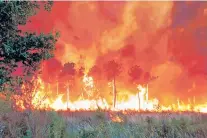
43, 124
140, 125
30, 124
35, 124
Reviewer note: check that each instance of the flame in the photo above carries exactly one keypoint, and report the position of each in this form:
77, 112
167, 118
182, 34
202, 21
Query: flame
116, 118
138, 102
156, 40
88, 81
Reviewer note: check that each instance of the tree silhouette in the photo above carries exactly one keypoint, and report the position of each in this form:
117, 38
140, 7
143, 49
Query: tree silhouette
147, 79
67, 75
112, 70
135, 73
80, 72
96, 73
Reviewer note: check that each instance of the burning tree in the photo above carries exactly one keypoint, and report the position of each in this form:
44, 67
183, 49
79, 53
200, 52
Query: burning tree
81, 72
96, 73
67, 74
21, 48
113, 69
135, 73
147, 79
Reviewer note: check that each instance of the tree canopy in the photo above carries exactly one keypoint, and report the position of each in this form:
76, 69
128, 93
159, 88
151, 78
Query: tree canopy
95, 72
135, 73
21, 48
148, 77
112, 69
68, 71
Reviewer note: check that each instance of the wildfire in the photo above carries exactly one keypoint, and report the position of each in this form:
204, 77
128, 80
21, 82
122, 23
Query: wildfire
137, 102
154, 43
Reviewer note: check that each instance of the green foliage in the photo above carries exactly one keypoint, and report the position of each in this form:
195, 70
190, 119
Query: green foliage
21, 48
5, 106
57, 127
28, 134
155, 126
35, 124
52, 125
87, 134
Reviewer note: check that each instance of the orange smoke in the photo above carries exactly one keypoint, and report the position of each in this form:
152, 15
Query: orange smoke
164, 38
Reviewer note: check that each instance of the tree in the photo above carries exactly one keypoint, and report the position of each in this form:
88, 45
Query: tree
79, 77
135, 73
95, 72
113, 69
67, 75
81, 72
18, 47
147, 79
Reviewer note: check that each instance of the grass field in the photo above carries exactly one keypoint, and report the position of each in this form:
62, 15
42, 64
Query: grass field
137, 125
100, 124
41, 124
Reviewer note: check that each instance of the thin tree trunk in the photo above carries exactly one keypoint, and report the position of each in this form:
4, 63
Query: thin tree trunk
114, 93
68, 90
147, 93
138, 102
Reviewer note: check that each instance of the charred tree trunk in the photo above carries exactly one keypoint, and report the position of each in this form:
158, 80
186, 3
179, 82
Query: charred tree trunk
114, 93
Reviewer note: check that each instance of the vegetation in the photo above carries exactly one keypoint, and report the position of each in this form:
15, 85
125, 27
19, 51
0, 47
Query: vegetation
68, 73
19, 49
42, 124
25, 51
113, 69
96, 73
144, 125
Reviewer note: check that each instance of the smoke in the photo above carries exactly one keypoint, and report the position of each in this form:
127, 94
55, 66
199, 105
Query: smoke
164, 38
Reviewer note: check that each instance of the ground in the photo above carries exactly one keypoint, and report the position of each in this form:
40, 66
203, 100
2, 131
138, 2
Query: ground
100, 124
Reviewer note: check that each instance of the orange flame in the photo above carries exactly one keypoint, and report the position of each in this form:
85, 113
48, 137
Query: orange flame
41, 101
